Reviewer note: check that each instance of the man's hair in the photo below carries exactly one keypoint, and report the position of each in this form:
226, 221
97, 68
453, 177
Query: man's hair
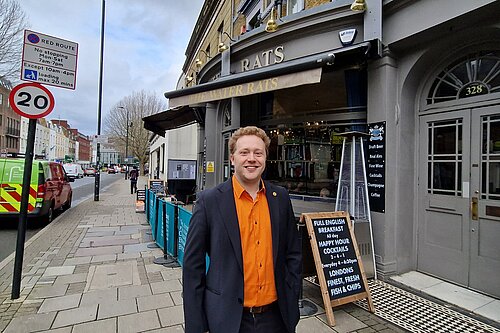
249, 130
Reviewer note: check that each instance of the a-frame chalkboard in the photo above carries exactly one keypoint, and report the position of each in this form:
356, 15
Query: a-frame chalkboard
340, 271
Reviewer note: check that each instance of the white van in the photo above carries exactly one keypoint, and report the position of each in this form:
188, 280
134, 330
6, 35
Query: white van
73, 170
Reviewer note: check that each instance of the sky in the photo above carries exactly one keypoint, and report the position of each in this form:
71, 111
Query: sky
144, 49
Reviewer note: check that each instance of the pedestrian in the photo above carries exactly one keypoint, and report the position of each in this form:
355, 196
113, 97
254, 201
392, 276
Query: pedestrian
247, 228
133, 175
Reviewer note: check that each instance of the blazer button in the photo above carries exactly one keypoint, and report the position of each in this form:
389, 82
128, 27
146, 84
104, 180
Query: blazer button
240, 300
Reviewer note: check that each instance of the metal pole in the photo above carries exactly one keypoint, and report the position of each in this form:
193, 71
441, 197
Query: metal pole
126, 140
23, 212
98, 173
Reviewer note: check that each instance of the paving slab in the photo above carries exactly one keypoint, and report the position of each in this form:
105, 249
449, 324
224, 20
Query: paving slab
96, 251
177, 297
490, 310
135, 248
116, 308
172, 329
416, 280
138, 322
58, 330
345, 323
166, 286
171, 273
60, 303
73, 278
171, 316
48, 291
58, 270
313, 324
99, 296
152, 302
107, 325
30, 323
113, 275
132, 292
75, 316
77, 261
458, 296
103, 258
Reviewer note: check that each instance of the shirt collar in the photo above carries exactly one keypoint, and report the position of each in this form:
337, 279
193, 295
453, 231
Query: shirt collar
238, 189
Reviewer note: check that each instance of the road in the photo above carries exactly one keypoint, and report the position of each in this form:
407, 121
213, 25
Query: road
83, 189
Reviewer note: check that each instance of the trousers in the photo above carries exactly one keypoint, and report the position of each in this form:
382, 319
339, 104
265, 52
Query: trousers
265, 322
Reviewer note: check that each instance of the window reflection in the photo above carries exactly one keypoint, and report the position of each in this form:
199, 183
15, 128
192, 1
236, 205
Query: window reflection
306, 159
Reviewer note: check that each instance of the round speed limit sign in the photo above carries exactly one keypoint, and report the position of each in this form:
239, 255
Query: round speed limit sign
31, 100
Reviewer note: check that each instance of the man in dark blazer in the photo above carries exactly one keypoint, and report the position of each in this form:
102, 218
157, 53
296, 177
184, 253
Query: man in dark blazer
214, 297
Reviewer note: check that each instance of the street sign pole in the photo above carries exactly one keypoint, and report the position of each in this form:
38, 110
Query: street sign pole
98, 173
33, 101
23, 214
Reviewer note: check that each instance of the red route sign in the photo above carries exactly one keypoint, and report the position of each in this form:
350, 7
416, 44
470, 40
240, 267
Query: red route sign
31, 100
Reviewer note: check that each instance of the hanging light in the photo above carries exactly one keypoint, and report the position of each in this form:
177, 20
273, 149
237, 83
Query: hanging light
358, 6
271, 25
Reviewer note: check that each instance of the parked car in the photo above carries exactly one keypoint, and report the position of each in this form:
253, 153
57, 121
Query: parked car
111, 170
50, 189
73, 170
89, 172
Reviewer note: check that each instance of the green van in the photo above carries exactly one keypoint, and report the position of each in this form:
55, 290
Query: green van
49, 189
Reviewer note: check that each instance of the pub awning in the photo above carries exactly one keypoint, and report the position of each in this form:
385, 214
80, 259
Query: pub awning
294, 72
288, 74
173, 118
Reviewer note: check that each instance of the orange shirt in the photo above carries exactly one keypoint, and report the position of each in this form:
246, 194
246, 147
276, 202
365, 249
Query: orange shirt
256, 245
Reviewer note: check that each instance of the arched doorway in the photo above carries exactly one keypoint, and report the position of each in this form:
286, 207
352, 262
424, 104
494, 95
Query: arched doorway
459, 174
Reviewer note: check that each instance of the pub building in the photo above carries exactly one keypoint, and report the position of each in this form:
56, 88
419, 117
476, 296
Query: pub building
424, 76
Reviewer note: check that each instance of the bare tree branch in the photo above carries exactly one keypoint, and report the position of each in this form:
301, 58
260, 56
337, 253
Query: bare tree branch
12, 24
138, 105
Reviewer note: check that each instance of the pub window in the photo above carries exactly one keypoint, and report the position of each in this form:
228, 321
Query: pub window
1, 99
294, 6
220, 32
473, 75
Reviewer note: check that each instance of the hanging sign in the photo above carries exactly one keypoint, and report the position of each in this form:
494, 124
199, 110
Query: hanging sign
375, 166
338, 263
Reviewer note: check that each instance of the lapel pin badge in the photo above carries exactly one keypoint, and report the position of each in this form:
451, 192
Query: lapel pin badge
275, 194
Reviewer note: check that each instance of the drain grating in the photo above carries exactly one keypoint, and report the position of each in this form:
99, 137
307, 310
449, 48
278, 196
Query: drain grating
419, 315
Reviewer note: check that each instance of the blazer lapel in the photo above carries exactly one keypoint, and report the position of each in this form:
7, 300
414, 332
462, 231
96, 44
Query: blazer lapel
227, 210
273, 203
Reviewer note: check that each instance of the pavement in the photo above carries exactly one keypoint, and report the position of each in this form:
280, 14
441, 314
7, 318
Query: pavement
91, 270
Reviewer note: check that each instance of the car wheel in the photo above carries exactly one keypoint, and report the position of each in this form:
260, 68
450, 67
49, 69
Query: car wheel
67, 204
49, 216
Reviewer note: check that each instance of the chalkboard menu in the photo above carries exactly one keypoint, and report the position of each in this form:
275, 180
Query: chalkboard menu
157, 186
337, 260
375, 166
141, 195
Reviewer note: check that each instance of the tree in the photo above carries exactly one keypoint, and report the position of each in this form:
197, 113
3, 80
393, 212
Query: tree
12, 24
138, 105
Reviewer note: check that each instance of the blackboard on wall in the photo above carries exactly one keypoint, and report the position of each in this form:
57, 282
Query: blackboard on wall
338, 262
375, 166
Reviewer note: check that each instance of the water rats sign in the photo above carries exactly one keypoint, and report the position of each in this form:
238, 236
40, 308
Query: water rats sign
49, 60
338, 263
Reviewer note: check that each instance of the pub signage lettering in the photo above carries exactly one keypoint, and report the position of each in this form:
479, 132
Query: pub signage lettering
375, 166
338, 263
266, 58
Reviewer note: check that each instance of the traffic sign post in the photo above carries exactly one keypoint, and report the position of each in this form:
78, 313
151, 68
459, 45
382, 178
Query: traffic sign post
33, 101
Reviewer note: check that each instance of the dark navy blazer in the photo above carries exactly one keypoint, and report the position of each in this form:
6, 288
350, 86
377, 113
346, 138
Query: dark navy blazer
213, 301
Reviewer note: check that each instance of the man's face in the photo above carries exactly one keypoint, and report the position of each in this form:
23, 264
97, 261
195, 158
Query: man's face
249, 159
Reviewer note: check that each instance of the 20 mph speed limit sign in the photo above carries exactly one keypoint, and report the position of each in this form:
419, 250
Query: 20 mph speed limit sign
31, 100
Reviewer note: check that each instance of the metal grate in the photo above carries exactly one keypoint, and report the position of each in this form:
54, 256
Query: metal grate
419, 315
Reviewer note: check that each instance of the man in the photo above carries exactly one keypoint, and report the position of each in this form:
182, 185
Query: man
134, 174
247, 228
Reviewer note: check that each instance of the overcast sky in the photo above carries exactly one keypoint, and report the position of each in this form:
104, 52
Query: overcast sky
145, 44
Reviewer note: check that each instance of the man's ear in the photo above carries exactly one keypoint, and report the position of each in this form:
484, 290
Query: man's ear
231, 158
